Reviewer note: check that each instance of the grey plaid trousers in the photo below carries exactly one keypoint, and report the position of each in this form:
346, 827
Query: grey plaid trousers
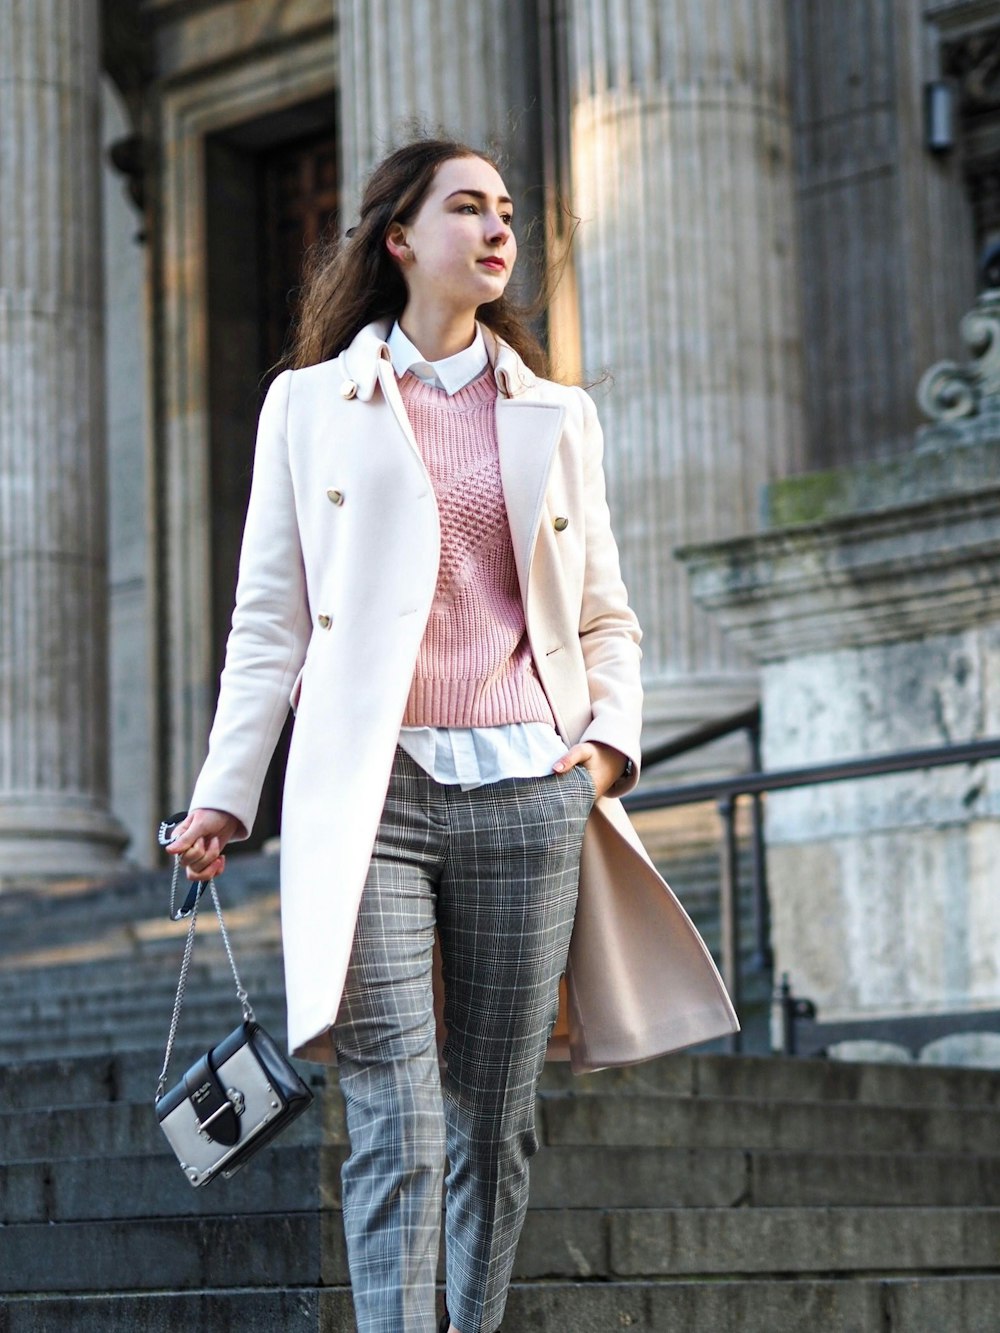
495, 871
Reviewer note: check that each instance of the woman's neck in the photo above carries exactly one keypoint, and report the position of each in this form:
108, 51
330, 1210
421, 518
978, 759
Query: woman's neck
438, 335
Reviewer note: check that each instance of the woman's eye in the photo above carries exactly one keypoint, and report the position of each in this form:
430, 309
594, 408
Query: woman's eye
507, 218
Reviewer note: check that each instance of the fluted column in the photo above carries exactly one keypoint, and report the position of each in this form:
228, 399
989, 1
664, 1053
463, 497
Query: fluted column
466, 69
54, 816
686, 265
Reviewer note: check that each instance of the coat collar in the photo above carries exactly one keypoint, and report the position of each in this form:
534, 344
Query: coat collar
369, 346
528, 429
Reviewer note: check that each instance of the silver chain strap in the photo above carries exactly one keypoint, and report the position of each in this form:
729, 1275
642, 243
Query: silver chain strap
241, 994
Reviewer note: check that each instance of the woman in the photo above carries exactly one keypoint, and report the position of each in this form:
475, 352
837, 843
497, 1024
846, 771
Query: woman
428, 575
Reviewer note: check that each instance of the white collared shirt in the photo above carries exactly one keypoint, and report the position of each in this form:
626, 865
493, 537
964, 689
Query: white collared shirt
451, 374
470, 756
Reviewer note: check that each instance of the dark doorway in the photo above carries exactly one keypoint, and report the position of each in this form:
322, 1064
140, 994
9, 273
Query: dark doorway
272, 189
300, 204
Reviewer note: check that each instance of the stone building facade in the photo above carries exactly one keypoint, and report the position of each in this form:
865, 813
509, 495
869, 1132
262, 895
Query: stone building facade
768, 256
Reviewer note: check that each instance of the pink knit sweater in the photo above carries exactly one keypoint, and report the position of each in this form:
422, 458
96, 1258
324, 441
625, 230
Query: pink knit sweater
474, 668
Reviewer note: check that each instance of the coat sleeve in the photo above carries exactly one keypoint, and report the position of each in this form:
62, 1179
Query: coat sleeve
270, 629
609, 629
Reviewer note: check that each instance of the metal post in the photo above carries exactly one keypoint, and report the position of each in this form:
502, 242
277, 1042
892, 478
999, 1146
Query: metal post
784, 1017
729, 908
763, 958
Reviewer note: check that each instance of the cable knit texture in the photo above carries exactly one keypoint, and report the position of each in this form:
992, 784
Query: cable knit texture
474, 668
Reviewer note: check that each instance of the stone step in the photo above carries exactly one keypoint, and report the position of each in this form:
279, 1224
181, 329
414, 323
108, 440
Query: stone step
30, 1013
104, 1077
131, 971
602, 1177
144, 964
128, 1129
287, 1176
295, 1176
143, 1012
134, 975
142, 918
220, 1310
58, 934
247, 874
600, 1121
906, 1305
143, 1038
662, 1121
152, 943
95, 1079
307, 1248
902, 1305
179, 1254
776, 1078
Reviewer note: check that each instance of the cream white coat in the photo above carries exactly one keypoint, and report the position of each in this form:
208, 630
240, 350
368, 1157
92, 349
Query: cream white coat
337, 575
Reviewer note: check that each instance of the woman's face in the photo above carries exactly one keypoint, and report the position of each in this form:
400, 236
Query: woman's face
459, 249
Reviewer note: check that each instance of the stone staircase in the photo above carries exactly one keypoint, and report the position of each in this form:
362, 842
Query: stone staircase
696, 1193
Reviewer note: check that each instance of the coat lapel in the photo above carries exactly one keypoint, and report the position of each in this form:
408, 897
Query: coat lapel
527, 434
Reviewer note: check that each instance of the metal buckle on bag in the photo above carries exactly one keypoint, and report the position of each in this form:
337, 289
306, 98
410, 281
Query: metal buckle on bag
214, 1108
238, 1103
236, 1100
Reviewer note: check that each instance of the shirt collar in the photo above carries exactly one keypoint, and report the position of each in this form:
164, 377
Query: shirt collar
451, 373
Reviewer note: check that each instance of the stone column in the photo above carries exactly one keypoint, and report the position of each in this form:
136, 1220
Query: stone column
686, 264
54, 816
885, 227
467, 70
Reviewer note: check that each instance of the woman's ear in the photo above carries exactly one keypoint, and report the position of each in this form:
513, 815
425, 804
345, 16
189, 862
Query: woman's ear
397, 244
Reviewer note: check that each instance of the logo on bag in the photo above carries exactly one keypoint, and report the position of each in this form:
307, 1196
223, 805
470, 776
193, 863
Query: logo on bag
201, 1094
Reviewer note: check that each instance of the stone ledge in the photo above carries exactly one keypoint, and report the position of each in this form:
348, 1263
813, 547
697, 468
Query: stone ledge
886, 484
857, 580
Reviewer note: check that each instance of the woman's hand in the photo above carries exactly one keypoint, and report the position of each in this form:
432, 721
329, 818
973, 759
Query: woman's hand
605, 764
199, 841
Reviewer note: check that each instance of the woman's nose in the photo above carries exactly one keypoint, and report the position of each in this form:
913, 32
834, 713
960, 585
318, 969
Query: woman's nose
497, 230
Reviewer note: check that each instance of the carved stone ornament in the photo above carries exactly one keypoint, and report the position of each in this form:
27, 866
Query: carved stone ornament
949, 391
974, 63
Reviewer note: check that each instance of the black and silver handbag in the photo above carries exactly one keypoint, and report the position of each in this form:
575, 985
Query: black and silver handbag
238, 1095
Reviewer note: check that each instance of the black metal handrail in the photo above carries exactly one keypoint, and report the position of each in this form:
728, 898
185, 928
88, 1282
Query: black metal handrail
727, 791
747, 720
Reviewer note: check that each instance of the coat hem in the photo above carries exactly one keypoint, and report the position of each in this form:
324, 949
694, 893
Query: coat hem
614, 1053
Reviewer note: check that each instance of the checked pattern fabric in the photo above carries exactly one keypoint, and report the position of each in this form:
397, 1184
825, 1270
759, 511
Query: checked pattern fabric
494, 871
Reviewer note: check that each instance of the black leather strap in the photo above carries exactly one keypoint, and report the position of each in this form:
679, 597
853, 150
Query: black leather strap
195, 889
216, 1113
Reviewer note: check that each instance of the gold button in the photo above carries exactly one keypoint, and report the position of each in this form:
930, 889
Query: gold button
325, 621
335, 497
348, 389
560, 524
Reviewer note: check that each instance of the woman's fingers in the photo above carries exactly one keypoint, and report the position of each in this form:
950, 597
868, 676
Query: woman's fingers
604, 762
577, 754
180, 841
214, 868
199, 841
203, 861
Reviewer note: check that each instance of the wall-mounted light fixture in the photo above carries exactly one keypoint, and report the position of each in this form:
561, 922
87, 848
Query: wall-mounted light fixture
939, 116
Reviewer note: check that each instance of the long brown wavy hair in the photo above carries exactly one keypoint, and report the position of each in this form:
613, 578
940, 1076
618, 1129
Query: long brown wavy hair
350, 280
